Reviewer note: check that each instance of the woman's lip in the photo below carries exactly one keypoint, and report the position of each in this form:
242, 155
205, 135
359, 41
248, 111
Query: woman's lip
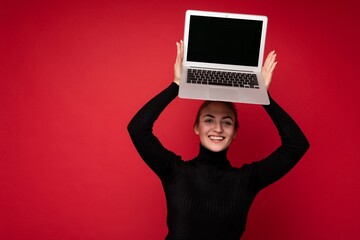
218, 138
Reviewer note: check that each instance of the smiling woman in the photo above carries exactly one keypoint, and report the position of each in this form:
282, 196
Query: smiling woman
206, 197
216, 124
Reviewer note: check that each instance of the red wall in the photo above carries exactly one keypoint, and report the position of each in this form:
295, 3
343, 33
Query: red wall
73, 73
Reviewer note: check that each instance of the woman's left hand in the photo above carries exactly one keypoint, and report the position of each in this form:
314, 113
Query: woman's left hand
268, 68
179, 61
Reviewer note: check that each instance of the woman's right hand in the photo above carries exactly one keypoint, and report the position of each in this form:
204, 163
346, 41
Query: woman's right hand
268, 68
179, 61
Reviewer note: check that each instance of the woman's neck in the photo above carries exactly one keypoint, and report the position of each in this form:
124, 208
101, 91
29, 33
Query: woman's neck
213, 158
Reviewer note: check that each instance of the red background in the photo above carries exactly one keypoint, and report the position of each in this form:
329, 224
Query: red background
73, 73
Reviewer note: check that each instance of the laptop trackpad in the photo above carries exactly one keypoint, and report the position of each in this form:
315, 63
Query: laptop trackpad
222, 94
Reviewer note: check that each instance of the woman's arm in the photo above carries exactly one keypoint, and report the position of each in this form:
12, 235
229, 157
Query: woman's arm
141, 126
293, 146
140, 129
293, 141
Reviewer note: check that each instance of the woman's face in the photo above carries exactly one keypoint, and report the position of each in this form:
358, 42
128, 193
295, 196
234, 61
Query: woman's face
216, 127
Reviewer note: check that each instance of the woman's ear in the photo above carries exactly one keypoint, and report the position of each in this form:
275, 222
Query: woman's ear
196, 129
234, 135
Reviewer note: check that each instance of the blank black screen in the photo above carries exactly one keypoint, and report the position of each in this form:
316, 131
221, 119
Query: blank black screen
224, 40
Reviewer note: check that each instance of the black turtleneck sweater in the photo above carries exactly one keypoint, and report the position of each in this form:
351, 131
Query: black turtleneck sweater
206, 197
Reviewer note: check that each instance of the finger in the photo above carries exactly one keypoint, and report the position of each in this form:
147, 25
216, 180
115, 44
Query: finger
272, 60
271, 57
177, 59
270, 72
181, 49
178, 51
268, 58
178, 47
273, 67
270, 63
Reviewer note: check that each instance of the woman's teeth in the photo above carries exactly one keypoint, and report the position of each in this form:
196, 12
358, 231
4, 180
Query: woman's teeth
216, 137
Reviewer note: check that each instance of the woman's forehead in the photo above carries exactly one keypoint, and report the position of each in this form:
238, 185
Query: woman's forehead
217, 108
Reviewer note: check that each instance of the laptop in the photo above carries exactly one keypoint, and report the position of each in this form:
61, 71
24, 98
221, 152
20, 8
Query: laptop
223, 56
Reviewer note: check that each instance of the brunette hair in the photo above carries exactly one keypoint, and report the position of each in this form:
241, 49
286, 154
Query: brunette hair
229, 105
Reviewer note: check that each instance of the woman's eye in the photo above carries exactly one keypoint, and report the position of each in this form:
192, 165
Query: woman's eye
228, 123
209, 120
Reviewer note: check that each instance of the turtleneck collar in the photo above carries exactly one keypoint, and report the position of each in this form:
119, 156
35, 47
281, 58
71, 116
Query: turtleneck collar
213, 158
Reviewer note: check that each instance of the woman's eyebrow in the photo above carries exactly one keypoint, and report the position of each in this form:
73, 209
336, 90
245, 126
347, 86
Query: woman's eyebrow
208, 115
225, 117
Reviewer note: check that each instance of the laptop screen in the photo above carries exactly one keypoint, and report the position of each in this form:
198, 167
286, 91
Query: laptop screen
224, 40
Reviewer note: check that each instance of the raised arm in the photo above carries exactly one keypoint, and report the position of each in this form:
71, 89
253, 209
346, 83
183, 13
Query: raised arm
293, 141
140, 128
293, 146
141, 131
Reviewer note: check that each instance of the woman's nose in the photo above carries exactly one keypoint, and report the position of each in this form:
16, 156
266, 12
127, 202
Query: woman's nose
218, 128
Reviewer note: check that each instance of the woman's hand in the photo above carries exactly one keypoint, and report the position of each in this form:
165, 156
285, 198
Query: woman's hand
179, 61
268, 68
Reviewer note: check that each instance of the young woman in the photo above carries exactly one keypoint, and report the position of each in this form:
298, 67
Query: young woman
206, 197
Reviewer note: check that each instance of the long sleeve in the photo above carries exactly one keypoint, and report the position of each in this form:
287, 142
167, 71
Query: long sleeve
140, 129
293, 146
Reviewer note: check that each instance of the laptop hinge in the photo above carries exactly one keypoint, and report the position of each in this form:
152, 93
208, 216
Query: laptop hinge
221, 69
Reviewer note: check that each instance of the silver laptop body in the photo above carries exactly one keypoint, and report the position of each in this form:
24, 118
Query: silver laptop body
219, 49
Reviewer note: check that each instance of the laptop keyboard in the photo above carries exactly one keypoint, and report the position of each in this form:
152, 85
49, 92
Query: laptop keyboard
231, 79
